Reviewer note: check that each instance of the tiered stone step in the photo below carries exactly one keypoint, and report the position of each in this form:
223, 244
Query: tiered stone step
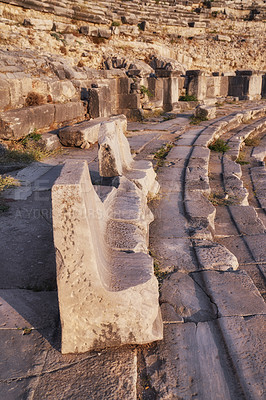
226, 323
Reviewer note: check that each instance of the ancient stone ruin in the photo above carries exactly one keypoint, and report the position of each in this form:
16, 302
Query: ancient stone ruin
108, 294
132, 199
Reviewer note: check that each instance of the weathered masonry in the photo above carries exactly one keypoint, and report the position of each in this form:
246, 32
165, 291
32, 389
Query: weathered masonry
107, 290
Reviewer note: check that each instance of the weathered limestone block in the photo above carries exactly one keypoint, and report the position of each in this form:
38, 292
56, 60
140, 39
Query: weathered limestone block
156, 87
81, 135
114, 150
69, 111
39, 24
50, 141
196, 84
16, 124
115, 157
187, 300
170, 90
216, 86
231, 168
104, 33
234, 293
199, 210
19, 88
131, 101
4, 94
99, 102
107, 297
169, 64
215, 256
197, 179
232, 171
129, 19
61, 91
247, 85
222, 38
205, 112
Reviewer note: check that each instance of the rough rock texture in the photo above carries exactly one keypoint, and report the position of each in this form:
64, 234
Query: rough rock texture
81, 135
205, 112
115, 157
106, 297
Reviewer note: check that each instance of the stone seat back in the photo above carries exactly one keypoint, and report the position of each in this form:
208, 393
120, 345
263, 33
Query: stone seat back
108, 294
115, 157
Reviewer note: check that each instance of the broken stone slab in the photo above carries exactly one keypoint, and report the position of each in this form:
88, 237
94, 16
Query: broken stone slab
231, 168
234, 293
178, 153
199, 209
173, 254
108, 374
115, 157
50, 141
16, 124
235, 190
258, 175
106, 297
81, 135
187, 298
39, 24
232, 120
247, 220
196, 178
259, 153
183, 360
169, 221
168, 64
26, 178
71, 111
212, 255
246, 344
143, 175
205, 112
37, 356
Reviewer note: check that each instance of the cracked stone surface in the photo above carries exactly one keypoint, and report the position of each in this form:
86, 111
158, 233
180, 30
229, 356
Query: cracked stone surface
189, 355
234, 293
187, 298
246, 344
174, 254
212, 255
38, 368
214, 344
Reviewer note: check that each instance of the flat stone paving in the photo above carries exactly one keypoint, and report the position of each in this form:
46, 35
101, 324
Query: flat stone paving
213, 345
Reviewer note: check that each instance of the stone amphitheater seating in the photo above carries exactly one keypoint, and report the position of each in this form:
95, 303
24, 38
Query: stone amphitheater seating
115, 157
108, 294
